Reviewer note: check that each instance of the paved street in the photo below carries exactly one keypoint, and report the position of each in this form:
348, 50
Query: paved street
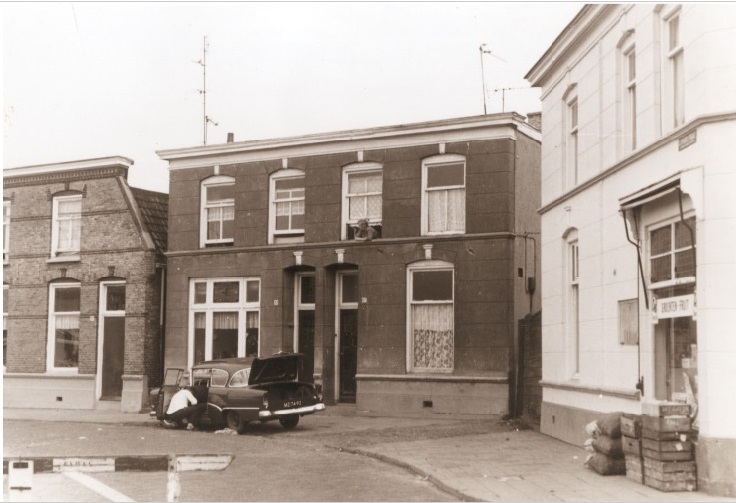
328, 457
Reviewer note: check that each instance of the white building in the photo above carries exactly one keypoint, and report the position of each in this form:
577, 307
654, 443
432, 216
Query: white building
639, 221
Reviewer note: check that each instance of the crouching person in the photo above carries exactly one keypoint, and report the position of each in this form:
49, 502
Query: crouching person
183, 408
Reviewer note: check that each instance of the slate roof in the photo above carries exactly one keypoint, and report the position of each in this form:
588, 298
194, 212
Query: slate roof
154, 207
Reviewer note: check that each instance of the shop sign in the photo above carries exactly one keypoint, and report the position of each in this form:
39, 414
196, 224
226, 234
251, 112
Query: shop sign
675, 307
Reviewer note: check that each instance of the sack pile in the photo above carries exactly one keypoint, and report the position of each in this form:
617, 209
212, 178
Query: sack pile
604, 443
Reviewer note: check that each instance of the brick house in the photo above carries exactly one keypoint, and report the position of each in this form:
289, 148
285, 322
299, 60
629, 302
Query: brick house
83, 276
396, 258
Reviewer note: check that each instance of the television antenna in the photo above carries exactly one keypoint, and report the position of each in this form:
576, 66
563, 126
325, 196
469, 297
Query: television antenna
483, 51
503, 94
206, 119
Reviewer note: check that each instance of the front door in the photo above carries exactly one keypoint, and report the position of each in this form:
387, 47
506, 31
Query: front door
304, 337
348, 354
112, 325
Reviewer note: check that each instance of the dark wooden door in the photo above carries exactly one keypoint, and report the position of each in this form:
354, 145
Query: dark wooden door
348, 354
306, 340
113, 358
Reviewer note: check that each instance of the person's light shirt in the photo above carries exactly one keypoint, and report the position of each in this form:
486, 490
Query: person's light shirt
180, 400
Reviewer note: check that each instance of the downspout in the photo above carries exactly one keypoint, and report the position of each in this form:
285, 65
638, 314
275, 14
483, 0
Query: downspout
640, 382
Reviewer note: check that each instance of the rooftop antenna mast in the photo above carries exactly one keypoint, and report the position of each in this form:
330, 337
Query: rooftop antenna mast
203, 63
503, 94
483, 51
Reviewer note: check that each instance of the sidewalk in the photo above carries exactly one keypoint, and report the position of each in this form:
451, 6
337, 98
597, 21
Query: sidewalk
513, 466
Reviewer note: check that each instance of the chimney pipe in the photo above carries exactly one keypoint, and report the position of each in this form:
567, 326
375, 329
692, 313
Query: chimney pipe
230, 137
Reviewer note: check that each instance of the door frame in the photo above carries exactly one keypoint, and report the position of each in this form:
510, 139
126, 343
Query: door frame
103, 313
299, 306
338, 306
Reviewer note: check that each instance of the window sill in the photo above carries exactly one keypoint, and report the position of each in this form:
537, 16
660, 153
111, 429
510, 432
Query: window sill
63, 259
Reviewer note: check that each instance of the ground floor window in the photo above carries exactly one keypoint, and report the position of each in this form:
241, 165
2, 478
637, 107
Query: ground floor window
431, 323
64, 312
224, 318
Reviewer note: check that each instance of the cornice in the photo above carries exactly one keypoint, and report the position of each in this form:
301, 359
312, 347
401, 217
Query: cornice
496, 126
98, 162
11, 178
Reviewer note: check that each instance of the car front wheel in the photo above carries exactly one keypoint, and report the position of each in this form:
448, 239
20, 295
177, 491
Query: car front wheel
289, 422
235, 422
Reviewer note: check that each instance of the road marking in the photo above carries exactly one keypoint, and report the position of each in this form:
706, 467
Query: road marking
98, 487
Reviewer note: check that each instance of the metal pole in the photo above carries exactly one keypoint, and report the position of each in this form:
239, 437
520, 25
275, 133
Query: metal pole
483, 77
204, 87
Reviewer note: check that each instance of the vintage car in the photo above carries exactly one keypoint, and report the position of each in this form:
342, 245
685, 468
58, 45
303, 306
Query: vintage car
238, 391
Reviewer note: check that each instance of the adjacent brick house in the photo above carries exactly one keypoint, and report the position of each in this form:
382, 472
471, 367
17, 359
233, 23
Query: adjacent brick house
397, 258
83, 273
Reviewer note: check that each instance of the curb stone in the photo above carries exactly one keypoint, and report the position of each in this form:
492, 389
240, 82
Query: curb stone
426, 476
143, 463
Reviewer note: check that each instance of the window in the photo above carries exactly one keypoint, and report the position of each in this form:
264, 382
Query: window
67, 226
240, 378
6, 230
6, 289
675, 77
63, 339
443, 195
224, 318
630, 97
572, 269
218, 211
362, 197
573, 141
286, 218
672, 253
431, 325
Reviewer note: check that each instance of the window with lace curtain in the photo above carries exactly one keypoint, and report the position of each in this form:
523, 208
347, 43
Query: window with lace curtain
67, 225
431, 322
362, 197
443, 195
63, 339
218, 211
224, 318
286, 215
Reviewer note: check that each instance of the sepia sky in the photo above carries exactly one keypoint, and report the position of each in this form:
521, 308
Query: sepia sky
85, 80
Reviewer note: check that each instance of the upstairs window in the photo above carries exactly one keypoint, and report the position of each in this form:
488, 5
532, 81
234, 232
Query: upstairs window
630, 97
363, 198
6, 230
570, 126
675, 75
67, 226
286, 218
218, 211
573, 140
63, 338
443, 195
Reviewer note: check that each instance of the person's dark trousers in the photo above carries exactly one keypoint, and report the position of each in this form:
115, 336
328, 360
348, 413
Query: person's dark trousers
190, 413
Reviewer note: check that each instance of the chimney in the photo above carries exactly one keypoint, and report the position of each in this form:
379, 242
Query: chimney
230, 137
534, 119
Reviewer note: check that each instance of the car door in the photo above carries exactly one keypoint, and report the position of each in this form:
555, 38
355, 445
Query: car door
247, 401
172, 378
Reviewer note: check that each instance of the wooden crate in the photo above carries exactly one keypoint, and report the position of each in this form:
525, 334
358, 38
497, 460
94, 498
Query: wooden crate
631, 445
671, 485
666, 445
668, 466
634, 468
631, 425
663, 409
667, 455
666, 424
667, 435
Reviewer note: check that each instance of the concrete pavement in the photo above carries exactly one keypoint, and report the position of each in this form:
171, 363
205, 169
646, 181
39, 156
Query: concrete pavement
515, 465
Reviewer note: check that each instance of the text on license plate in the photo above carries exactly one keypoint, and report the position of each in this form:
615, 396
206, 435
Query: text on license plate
295, 403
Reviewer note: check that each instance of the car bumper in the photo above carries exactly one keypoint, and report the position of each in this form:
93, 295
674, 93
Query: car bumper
311, 409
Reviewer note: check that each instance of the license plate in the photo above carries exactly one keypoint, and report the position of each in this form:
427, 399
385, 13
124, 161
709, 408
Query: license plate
295, 403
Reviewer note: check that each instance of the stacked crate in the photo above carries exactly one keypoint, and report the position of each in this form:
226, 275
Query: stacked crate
667, 453
631, 445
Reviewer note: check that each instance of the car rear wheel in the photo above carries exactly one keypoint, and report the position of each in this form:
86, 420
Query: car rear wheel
289, 422
235, 422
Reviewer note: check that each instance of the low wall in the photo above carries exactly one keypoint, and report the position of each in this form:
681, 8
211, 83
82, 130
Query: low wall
416, 394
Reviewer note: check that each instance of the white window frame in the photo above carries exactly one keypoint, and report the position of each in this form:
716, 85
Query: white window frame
290, 235
432, 162
571, 270
629, 97
6, 331
573, 145
242, 307
214, 181
358, 169
570, 138
6, 231
674, 280
426, 266
674, 75
56, 252
299, 305
51, 330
